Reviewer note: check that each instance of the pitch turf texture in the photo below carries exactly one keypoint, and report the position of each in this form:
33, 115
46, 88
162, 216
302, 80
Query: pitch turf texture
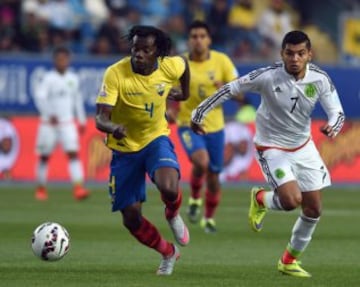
103, 253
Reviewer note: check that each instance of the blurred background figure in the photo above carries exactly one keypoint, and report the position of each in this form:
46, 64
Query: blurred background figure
238, 151
273, 24
9, 148
58, 99
218, 18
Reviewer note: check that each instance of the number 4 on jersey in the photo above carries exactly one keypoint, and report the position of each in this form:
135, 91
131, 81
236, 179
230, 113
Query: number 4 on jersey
149, 108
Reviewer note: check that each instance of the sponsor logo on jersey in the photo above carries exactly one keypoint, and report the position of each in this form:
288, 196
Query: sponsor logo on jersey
310, 90
160, 88
277, 90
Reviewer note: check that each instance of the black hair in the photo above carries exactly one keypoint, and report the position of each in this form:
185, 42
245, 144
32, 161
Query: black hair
61, 50
162, 40
296, 37
199, 24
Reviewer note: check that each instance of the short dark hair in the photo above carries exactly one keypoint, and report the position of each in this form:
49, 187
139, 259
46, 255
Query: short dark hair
199, 24
162, 40
296, 37
61, 50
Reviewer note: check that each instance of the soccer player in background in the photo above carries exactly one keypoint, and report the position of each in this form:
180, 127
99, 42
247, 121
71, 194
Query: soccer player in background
285, 151
131, 109
58, 100
209, 70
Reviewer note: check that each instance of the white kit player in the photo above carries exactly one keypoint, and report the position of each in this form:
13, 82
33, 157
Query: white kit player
285, 151
58, 99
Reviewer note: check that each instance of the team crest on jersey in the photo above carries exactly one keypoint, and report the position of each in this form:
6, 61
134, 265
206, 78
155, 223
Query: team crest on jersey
211, 75
310, 90
279, 173
160, 88
102, 92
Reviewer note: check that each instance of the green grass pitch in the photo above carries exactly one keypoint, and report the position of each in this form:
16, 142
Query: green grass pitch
103, 253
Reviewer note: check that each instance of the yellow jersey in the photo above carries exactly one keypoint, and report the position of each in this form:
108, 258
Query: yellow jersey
204, 76
139, 101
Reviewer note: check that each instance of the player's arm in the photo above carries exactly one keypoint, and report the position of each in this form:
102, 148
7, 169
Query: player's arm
247, 83
332, 106
79, 108
105, 102
184, 93
41, 96
221, 95
104, 123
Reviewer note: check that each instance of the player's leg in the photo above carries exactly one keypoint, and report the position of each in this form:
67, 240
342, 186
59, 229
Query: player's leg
70, 142
45, 143
200, 162
312, 177
195, 148
302, 232
163, 168
127, 191
146, 233
215, 148
285, 193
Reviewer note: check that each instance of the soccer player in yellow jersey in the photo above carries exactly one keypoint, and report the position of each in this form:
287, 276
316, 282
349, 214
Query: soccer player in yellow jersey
209, 70
131, 110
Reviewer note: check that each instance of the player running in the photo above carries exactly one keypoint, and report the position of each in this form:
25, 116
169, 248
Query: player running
209, 71
131, 109
285, 151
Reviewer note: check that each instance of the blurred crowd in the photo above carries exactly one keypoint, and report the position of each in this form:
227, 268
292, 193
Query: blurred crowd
248, 30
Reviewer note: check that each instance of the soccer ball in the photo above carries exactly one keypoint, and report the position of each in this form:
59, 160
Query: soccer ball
50, 241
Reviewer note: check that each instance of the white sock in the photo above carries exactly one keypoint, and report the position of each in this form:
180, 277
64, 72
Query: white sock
41, 172
76, 171
272, 201
302, 232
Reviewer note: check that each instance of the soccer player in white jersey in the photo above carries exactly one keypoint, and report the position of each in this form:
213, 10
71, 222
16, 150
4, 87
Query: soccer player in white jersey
58, 99
285, 151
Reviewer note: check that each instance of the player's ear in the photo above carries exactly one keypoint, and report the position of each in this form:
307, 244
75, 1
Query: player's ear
310, 55
282, 53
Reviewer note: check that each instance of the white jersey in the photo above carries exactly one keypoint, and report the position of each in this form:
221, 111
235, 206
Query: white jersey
59, 95
283, 118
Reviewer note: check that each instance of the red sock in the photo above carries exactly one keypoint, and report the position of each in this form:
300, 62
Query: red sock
148, 235
172, 207
211, 202
287, 258
196, 184
260, 197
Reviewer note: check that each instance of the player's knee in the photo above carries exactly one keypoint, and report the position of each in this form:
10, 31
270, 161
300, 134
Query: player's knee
201, 166
168, 188
312, 212
291, 202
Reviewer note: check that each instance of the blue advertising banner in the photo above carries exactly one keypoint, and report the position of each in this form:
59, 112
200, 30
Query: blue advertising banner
20, 75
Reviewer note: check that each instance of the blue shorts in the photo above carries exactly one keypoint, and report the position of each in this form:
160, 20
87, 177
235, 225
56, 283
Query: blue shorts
212, 142
128, 171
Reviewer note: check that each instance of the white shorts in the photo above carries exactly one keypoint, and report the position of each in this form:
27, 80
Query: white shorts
304, 165
64, 133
